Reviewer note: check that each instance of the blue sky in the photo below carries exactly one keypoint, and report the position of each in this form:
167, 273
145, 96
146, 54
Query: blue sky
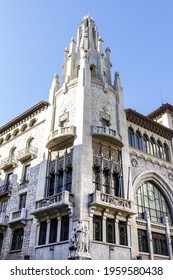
34, 34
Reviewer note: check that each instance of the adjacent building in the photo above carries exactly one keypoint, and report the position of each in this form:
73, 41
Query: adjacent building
80, 176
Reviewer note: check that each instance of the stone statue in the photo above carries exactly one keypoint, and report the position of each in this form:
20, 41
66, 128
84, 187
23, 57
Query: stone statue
80, 238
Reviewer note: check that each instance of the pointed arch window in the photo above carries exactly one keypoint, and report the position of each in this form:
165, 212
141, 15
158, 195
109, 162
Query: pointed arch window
131, 137
138, 140
146, 147
13, 154
159, 149
153, 146
93, 71
166, 154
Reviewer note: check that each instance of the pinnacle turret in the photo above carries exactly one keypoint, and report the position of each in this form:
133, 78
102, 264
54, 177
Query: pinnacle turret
89, 46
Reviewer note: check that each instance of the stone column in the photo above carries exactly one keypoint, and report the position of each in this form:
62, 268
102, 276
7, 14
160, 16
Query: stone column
48, 230
117, 236
149, 235
168, 238
104, 228
59, 228
128, 232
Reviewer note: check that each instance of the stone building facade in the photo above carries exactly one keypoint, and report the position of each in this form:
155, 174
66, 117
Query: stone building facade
80, 176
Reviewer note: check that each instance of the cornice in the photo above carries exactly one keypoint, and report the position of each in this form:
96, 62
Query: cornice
160, 111
149, 124
24, 116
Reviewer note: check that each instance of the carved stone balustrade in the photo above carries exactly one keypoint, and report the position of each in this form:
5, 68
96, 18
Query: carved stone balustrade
27, 153
18, 216
116, 203
53, 203
107, 134
9, 162
61, 137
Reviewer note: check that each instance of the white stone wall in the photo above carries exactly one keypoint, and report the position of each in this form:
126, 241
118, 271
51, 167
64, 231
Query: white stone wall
18, 188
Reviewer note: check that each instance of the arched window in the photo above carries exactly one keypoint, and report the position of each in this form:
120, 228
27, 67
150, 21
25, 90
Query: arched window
93, 71
150, 199
131, 137
16, 132
32, 122
166, 155
146, 147
138, 140
8, 137
29, 143
24, 127
159, 149
152, 146
13, 154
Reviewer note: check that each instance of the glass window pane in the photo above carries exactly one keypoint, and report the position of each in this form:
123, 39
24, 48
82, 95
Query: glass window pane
153, 201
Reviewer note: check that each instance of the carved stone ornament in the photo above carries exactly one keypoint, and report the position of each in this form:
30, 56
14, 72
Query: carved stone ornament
134, 162
170, 176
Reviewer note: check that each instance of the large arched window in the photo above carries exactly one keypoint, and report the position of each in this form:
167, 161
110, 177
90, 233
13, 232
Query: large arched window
150, 199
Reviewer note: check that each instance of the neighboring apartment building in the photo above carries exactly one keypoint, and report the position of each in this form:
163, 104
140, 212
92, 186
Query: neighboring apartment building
80, 176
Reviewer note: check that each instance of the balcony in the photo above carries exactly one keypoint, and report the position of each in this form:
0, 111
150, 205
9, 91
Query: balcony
116, 203
5, 189
3, 220
18, 217
8, 163
105, 133
53, 203
61, 138
27, 154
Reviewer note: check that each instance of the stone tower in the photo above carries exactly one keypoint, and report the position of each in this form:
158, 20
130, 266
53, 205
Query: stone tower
88, 166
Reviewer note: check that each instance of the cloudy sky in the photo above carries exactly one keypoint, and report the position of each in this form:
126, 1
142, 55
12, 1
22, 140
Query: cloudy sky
34, 34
